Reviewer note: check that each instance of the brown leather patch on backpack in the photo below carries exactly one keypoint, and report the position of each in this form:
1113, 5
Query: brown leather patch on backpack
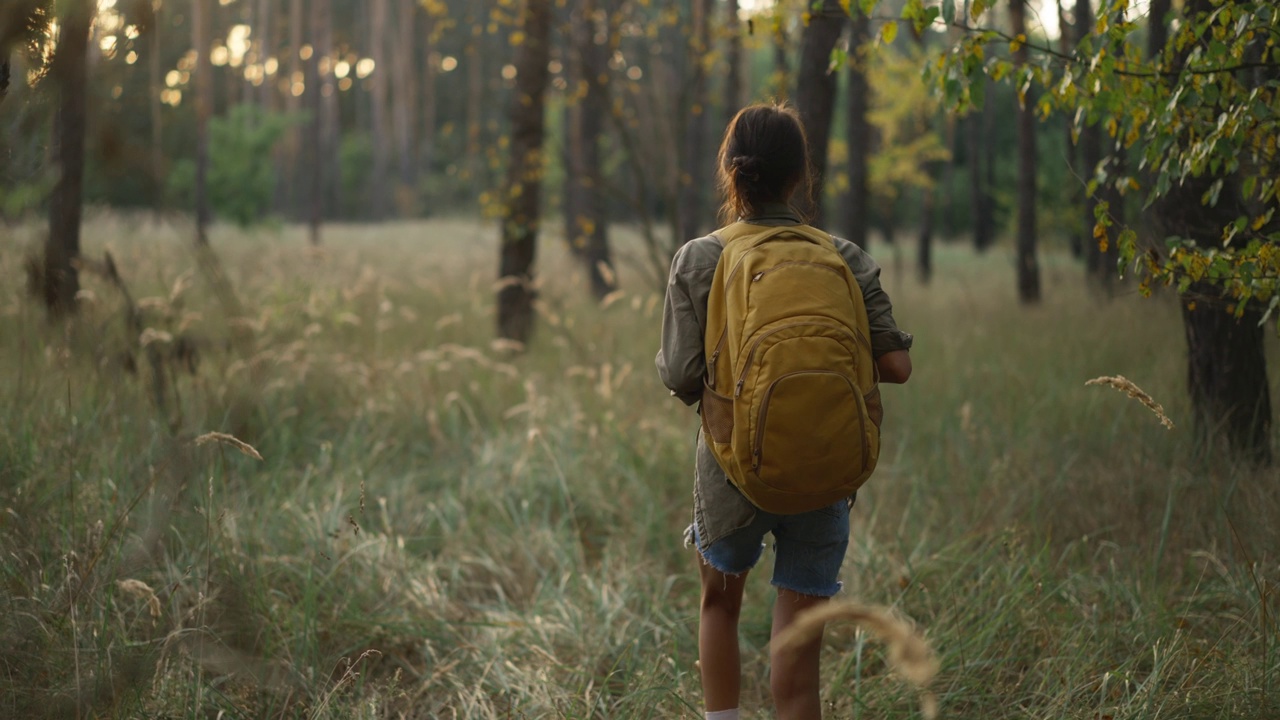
717, 415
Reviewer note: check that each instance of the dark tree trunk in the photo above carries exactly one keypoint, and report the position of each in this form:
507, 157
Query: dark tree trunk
404, 103
318, 84
1066, 44
733, 78
523, 188
1090, 156
691, 204
858, 134
924, 245
430, 70
477, 10
979, 195
1227, 373
1028, 266
156, 81
201, 38
4, 78
70, 75
1226, 357
781, 64
1158, 27
378, 96
815, 98
584, 211
289, 174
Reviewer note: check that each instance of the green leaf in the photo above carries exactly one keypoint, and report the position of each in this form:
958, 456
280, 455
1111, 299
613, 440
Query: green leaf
949, 11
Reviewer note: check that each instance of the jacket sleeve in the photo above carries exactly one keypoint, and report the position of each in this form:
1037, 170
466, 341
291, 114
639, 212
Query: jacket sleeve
885, 335
681, 359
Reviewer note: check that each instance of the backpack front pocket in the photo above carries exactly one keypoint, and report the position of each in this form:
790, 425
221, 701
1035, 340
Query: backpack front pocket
811, 435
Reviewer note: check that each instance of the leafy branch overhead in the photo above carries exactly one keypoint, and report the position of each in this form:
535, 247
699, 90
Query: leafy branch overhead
1202, 110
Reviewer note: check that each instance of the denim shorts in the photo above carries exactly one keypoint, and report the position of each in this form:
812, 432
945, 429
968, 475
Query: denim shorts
808, 548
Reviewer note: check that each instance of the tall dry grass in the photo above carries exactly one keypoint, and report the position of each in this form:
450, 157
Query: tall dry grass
438, 528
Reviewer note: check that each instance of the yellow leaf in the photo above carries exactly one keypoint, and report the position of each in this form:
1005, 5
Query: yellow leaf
889, 31
1016, 43
517, 38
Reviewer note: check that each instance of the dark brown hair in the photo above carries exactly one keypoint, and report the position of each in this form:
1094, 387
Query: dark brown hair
764, 157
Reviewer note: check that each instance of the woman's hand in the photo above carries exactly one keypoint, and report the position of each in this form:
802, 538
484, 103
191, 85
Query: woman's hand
895, 367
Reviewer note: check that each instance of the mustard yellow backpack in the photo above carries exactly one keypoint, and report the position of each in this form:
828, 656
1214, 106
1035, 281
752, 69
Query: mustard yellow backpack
791, 407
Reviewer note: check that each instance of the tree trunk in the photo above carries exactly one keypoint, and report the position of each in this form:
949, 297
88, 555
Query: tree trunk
4, 78
1028, 266
1067, 38
584, 212
378, 98
1090, 156
781, 65
924, 245
733, 101
1227, 373
979, 197
319, 83
1226, 357
858, 134
815, 98
200, 34
289, 173
477, 10
691, 204
431, 65
523, 189
70, 75
156, 80
405, 103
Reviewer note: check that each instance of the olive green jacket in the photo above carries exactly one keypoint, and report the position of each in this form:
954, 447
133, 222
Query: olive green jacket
719, 508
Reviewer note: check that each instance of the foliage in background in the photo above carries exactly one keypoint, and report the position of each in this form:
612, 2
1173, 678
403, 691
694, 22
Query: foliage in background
241, 181
1206, 107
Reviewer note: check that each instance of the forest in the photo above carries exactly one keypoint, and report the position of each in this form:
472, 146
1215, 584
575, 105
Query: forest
327, 333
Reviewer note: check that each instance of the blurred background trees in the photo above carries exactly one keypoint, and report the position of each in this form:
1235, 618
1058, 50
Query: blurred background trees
1094, 128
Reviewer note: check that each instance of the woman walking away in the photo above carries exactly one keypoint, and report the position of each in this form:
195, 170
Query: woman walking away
781, 334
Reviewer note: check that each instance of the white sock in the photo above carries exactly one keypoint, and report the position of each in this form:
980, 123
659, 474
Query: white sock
723, 715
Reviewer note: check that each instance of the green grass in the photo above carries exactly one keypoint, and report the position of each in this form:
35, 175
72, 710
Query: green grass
438, 529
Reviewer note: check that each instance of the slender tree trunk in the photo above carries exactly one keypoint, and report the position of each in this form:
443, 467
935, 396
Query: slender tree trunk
523, 190
4, 78
1028, 266
1067, 38
290, 78
430, 71
979, 202
319, 85
1090, 156
691, 204
858, 129
584, 212
815, 98
264, 28
733, 101
476, 12
201, 32
156, 80
378, 97
70, 75
405, 103
781, 64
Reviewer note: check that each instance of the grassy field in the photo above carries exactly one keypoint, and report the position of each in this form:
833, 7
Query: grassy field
438, 529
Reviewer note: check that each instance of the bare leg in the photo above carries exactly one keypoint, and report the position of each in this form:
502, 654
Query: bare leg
794, 676
718, 637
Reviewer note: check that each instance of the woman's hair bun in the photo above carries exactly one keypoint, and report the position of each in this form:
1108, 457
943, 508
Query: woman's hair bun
747, 167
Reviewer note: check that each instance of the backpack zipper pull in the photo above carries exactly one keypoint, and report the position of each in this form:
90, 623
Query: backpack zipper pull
738, 389
757, 277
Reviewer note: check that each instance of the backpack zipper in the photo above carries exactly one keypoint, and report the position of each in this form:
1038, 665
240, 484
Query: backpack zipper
760, 275
757, 449
856, 336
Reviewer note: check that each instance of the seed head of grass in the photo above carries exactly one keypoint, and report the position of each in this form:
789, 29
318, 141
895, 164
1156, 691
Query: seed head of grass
233, 441
1125, 385
909, 653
